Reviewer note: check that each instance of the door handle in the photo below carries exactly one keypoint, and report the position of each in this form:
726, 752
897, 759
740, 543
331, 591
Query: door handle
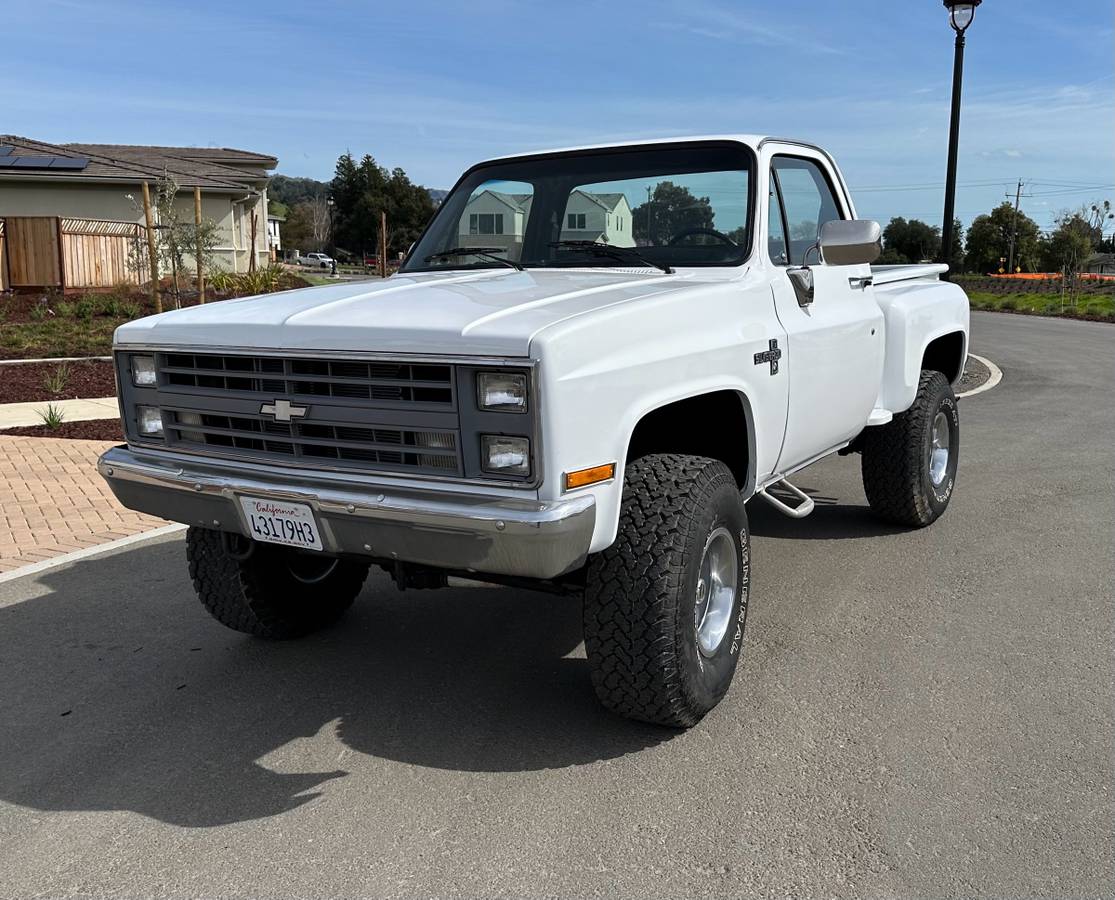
861, 283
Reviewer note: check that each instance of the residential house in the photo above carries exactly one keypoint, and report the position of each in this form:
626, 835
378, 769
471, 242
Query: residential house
497, 219
1101, 264
104, 182
274, 236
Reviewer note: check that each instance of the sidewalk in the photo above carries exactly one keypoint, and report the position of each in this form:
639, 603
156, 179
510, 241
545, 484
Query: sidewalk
52, 501
16, 415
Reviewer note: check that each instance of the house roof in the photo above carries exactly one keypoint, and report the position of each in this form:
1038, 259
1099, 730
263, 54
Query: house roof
215, 169
520, 202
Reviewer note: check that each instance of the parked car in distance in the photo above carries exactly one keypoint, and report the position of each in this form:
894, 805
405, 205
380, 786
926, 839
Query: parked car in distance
314, 260
583, 371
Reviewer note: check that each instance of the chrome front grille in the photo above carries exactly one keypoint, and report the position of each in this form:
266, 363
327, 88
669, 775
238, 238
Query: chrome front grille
371, 415
425, 385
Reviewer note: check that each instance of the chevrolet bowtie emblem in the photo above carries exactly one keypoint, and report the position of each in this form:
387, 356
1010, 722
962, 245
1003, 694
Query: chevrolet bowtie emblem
283, 410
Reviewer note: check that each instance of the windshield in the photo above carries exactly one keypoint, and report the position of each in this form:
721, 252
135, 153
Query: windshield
664, 206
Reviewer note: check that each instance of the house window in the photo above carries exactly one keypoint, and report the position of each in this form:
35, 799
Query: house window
485, 223
576, 222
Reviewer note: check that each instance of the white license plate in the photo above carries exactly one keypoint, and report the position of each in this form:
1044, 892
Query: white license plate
280, 522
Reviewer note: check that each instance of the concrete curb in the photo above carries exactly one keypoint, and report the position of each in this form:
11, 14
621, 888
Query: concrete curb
17, 415
995, 377
55, 359
86, 552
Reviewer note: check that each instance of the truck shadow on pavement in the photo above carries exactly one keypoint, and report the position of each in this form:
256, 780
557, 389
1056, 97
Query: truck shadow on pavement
120, 693
830, 520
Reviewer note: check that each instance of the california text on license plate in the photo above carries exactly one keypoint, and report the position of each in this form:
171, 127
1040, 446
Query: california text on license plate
280, 522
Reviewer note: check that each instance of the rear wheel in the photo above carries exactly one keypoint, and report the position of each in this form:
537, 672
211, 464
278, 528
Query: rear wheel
909, 465
273, 592
665, 605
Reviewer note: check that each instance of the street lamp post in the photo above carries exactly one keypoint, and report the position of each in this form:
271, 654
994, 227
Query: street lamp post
961, 14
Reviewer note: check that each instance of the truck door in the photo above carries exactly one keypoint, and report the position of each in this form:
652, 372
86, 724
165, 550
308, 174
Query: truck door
834, 353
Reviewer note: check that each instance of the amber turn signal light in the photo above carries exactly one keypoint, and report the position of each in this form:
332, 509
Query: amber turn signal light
585, 477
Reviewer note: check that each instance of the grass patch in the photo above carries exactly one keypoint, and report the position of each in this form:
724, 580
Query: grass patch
1099, 305
57, 337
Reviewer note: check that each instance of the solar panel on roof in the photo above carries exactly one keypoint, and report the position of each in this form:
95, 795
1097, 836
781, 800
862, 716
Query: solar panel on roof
6, 150
46, 162
6, 161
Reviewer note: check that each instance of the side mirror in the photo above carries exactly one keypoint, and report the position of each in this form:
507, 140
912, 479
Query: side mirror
851, 242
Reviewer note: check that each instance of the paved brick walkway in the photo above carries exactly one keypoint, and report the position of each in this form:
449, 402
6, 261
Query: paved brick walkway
52, 501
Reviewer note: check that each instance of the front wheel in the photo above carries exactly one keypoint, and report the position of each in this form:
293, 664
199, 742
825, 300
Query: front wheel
909, 464
665, 605
274, 592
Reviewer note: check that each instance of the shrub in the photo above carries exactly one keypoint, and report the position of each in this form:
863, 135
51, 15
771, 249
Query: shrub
1008, 304
220, 281
111, 304
56, 381
52, 416
40, 310
261, 281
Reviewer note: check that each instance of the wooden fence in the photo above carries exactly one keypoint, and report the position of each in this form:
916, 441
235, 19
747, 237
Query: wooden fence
71, 254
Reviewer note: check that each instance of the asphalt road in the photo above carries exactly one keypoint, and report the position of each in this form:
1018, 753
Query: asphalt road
916, 713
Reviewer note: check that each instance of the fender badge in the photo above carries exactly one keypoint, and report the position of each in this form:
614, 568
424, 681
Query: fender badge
770, 356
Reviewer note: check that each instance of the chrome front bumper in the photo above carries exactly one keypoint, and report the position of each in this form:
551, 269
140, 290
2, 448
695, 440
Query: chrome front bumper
448, 529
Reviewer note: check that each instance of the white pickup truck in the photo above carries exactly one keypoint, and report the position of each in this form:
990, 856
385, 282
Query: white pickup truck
586, 366
314, 260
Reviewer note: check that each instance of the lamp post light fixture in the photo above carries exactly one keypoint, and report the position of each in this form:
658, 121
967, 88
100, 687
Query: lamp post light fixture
961, 14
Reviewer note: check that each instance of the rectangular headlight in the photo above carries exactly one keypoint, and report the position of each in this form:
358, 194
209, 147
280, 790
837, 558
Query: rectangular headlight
149, 420
500, 455
502, 391
143, 371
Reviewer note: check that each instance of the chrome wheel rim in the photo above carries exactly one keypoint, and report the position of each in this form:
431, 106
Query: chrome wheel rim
939, 449
716, 590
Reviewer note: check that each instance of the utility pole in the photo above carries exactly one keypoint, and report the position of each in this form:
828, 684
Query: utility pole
383, 244
1014, 226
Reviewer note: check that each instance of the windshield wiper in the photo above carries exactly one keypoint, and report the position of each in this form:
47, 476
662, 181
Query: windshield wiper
484, 252
611, 250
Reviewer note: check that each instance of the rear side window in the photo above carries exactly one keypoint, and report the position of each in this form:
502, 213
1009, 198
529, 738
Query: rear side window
808, 202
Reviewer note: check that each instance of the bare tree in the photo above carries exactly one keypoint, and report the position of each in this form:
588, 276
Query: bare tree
319, 220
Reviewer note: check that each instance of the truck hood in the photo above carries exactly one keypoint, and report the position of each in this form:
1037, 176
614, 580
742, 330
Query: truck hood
494, 312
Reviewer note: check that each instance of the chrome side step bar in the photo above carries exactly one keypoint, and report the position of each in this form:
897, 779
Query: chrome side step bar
800, 511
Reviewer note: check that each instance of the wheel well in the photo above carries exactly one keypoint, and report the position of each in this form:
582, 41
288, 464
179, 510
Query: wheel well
713, 425
945, 355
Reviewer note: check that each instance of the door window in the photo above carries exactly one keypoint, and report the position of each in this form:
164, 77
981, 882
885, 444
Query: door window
808, 201
776, 230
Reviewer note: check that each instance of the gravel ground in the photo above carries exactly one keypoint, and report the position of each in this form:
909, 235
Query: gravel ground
975, 374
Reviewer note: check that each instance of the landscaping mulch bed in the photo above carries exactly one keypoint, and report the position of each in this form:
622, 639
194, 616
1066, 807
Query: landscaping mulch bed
975, 374
93, 430
28, 381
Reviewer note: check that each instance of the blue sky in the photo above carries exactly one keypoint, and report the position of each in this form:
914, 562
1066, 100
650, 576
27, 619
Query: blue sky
433, 87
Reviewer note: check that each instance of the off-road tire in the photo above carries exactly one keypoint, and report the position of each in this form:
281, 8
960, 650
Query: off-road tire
260, 595
895, 464
640, 594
